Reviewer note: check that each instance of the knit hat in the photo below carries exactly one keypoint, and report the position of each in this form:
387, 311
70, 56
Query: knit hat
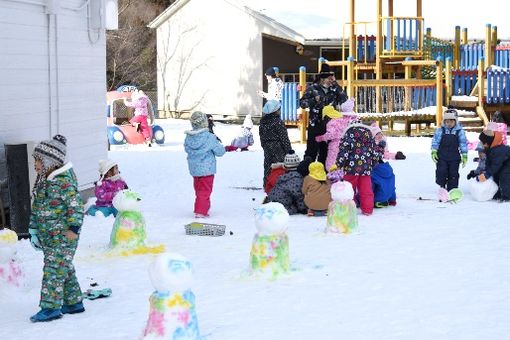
52, 153
302, 168
291, 160
348, 105
270, 72
317, 171
330, 112
198, 120
486, 137
105, 165
451, 114
248, 123
271, 106
326, 71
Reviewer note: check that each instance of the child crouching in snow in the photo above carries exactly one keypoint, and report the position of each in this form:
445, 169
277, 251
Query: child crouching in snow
245, 139
202, 148
109, 184
380, 139
383, 178
55, 223
481, 162
316, 190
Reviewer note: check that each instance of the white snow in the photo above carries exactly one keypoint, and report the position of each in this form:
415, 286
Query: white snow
420, 270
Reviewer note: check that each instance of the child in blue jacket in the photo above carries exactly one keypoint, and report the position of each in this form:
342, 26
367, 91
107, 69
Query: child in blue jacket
202, 148
449, 149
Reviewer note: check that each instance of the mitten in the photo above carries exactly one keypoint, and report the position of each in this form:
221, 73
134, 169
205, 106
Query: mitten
434, 155
382, 144
319, 138
400, 155
464, 159
34, 240
471, 174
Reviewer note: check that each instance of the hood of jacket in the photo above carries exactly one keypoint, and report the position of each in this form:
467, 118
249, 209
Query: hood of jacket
199, 139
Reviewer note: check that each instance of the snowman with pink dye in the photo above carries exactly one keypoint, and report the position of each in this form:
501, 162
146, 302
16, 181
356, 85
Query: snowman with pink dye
11, 272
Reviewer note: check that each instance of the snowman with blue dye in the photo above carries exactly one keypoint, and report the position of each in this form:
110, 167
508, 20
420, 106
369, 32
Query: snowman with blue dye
269, 256
172, 312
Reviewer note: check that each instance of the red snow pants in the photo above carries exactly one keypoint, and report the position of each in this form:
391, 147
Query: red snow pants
362, 186
203, 186
145, 129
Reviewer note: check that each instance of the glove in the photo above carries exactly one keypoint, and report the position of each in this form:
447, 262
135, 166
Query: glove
34, 240
333, 168
471, 174
464, 159
319, 139
382, 144
434, 155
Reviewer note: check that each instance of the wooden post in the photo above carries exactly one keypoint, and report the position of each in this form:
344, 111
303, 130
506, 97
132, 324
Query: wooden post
464, 35
481, 81
488, 46
407, 89
319, 64
378, 63
456, 49
494, 37
350, 78
448, 80
303, 112
419, 23
439, 92
353, 51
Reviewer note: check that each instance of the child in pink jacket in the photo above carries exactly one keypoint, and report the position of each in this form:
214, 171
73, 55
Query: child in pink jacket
140, 101
335, 128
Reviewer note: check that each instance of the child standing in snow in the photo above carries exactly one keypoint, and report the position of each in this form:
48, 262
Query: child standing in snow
449, 149
55, 223
316, 190
245, 139
335, 128
356, 157
273, 136
109, 184
202, 148
139, 101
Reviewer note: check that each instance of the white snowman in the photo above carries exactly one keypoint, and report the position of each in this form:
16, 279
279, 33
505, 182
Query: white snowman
11, 272
172, 312
269, 254
483, 191
342, 213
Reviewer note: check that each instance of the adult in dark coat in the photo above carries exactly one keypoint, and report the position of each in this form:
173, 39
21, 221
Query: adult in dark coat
497, 164
322, 93
274, 138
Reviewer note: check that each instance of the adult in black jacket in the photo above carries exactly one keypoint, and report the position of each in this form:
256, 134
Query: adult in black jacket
322, 93
273, 136
497, 164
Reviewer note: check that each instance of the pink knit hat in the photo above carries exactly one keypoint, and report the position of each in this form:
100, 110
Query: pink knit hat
348, 105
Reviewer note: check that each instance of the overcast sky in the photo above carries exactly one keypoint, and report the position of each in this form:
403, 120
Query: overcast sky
326, 18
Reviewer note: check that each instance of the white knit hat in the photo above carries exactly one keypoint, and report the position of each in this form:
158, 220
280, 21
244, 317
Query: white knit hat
451, 114
105, 165
291, 160
248, 123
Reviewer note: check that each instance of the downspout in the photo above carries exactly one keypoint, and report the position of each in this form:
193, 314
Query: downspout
57, 85
50, 98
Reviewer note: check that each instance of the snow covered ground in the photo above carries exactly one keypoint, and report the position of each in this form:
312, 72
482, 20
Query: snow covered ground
420, 270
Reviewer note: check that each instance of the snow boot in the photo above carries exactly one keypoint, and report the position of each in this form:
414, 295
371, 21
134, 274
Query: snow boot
46, 314
73, 309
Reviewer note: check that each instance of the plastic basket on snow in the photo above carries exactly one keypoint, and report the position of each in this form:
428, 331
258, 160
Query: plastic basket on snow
204, 229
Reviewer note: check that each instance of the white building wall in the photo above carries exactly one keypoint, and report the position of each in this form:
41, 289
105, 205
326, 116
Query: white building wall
53, 81
227, 41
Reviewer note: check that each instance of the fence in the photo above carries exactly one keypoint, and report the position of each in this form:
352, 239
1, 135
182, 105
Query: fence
463, 82
498, 86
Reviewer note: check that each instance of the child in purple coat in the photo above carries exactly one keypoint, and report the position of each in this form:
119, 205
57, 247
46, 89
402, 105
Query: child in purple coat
109, 184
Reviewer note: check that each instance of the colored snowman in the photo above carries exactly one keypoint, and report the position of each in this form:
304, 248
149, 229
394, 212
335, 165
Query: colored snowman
483, 191
129, 226
269, 254
11, 272
172, 312
342, 214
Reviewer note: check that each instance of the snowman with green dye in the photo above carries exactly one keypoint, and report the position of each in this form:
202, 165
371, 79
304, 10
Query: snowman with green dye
342, 212
129, 227
269, 256
172, 313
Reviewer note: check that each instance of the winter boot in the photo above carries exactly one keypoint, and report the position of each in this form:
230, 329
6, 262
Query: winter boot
400, 155
381, 204
73, 309
46, 314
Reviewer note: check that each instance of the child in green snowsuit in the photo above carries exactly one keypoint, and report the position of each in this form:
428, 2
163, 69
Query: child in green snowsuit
55, 222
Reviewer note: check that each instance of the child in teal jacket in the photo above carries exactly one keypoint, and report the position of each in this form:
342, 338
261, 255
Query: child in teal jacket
55, 222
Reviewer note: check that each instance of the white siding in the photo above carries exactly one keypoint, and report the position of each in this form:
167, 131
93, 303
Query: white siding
227, 43
53, 81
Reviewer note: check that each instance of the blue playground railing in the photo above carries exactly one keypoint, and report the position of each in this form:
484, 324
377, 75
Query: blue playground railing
423, 97
406, 33
502, 56
464, 82
290, 102
366, 54
470, 55
498, 86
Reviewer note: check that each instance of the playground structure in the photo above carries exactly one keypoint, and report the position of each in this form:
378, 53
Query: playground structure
403, 69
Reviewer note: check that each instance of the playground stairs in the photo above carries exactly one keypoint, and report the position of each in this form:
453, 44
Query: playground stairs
468, 114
